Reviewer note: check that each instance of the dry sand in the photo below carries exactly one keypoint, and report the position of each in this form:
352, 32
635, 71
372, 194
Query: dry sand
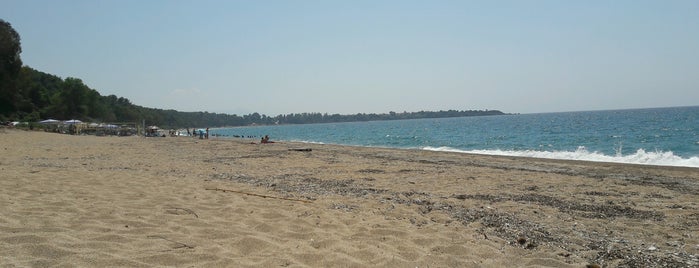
141, 202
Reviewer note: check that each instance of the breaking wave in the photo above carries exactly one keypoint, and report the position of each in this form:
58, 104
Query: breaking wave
641, 156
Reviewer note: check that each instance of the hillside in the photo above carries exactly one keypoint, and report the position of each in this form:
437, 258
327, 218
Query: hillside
30, 95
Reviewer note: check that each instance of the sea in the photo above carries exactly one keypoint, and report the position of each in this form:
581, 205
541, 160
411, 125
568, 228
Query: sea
658, 136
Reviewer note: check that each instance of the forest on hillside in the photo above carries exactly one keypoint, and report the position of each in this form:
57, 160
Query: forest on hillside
30, 95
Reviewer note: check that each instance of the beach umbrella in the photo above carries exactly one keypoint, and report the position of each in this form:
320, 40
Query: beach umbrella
49, 121
73, 121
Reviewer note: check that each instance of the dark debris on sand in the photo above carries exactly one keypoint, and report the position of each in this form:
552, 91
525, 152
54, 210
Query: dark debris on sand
585, 210
308, 187
508, 226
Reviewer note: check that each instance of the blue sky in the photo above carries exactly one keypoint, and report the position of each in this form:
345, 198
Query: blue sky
279, 57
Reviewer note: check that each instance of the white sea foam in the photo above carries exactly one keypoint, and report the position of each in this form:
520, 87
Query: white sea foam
640, 157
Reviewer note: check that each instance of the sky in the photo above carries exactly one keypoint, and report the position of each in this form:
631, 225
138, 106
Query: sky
348, 57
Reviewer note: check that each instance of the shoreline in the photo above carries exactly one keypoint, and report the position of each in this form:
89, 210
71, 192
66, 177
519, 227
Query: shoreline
452, 150
143, 202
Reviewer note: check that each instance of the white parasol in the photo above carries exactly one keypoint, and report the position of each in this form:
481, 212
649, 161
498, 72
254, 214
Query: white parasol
49, 121
73, 121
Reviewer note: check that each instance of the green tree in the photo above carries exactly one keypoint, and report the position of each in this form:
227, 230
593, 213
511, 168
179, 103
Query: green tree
10, 65
75, 97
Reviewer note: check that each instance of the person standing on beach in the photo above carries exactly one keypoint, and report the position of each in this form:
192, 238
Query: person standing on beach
207, 133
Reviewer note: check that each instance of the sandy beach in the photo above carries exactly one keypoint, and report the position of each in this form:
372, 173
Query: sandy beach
86, 201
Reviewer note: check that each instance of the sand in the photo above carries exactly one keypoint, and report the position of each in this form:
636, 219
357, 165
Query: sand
91, 201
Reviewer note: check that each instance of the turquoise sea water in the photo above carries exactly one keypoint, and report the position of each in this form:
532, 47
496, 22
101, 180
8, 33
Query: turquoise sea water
661, 136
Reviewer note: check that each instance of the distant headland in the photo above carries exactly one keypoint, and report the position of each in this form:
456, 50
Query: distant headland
41, 96
28, 95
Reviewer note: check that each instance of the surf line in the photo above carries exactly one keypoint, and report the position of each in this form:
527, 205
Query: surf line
258, 195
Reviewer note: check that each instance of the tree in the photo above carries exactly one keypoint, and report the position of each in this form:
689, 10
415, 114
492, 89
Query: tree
10, 65
75, 98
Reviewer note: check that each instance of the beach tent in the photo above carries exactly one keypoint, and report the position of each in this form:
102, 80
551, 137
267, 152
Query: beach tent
49, 121
73, 121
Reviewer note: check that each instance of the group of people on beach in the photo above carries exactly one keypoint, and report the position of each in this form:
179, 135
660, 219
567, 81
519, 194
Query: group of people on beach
204, 134
200, 133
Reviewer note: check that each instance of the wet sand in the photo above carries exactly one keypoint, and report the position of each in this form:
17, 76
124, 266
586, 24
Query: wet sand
143, 202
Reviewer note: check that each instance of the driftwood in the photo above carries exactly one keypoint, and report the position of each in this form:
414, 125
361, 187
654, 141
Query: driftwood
301, 149
258, 195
